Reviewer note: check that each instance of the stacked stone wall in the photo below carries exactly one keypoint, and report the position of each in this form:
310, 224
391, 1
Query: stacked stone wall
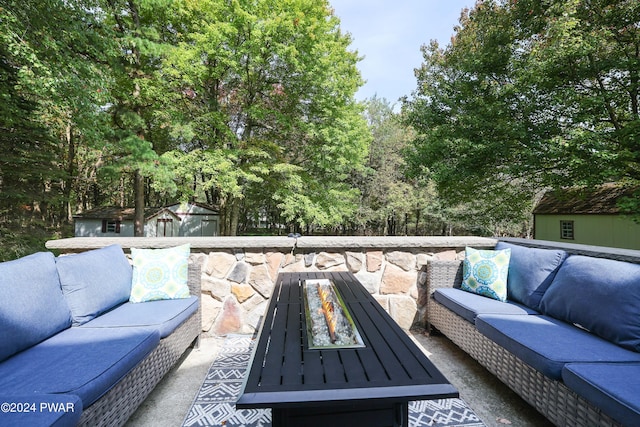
238, 273
236, 284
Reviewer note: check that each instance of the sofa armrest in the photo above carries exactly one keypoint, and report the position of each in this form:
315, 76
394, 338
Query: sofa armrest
443, 274
194, 279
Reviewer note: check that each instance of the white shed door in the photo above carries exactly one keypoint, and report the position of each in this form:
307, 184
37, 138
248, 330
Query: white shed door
209, 227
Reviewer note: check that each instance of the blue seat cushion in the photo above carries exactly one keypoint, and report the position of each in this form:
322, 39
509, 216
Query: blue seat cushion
94, 282
468, 305
32, 307
84, 362
547, 344
612, 387
53, 410
531, 271
163, 315
601, 295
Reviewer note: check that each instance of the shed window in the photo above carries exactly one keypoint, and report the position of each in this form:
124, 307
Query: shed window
566, 230
110, 226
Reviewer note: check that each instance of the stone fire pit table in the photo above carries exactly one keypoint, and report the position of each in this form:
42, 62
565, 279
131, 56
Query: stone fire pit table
365, 385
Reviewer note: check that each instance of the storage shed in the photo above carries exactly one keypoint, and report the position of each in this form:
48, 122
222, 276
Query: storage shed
587, 216
178, 219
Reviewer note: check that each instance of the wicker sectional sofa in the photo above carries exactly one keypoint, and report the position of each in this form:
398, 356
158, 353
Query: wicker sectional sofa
567, 340
74, 350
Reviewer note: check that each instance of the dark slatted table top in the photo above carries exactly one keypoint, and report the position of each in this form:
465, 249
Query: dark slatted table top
285, 373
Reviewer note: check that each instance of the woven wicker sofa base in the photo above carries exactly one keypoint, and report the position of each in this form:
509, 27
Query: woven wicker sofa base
119, 403
551, 398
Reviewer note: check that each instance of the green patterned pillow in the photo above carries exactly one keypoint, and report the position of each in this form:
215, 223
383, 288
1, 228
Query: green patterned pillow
159, 274
485, 272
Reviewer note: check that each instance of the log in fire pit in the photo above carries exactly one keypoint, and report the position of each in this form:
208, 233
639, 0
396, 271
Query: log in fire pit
329, 323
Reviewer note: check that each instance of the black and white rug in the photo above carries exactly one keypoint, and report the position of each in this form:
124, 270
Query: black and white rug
214, 404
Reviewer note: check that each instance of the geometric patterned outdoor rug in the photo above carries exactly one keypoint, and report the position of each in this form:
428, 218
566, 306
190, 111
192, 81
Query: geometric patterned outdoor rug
214, 404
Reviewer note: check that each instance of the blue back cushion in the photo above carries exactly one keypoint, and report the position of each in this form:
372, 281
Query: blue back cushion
94, 282
32, 307
600, 295
531, 271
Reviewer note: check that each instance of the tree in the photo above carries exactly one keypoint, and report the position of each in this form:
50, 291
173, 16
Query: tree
143, 33
51, 59
268, 98
387, 198
529, 95
247, 105
393, 203
28, 150
51, 76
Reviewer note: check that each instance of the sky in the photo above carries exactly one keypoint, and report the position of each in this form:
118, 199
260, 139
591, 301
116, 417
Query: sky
389, 33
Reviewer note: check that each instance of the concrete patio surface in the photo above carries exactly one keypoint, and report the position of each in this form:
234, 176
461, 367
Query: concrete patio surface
492, 401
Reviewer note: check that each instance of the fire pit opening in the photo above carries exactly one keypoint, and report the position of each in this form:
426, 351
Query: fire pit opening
329, 323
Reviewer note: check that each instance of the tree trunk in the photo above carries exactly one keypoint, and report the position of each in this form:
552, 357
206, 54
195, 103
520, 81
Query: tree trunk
391, 224
406, 224
234, 216
71, 172
138, 230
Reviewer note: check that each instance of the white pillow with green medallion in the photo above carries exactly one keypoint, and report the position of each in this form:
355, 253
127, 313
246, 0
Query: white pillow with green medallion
159, 274
485, 272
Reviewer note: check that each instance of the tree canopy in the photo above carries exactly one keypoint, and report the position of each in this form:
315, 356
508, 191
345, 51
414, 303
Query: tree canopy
270, 89
529, 95
245, 105
249, 106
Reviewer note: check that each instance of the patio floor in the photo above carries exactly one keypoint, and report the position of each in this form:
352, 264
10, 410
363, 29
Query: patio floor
492, 401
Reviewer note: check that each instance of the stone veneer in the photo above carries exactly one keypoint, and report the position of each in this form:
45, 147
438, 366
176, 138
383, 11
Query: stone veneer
238, 273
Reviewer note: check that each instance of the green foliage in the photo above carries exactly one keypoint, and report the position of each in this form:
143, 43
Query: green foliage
268, 93
249, 106
47, 84
529, 95
18, 240
389, 202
